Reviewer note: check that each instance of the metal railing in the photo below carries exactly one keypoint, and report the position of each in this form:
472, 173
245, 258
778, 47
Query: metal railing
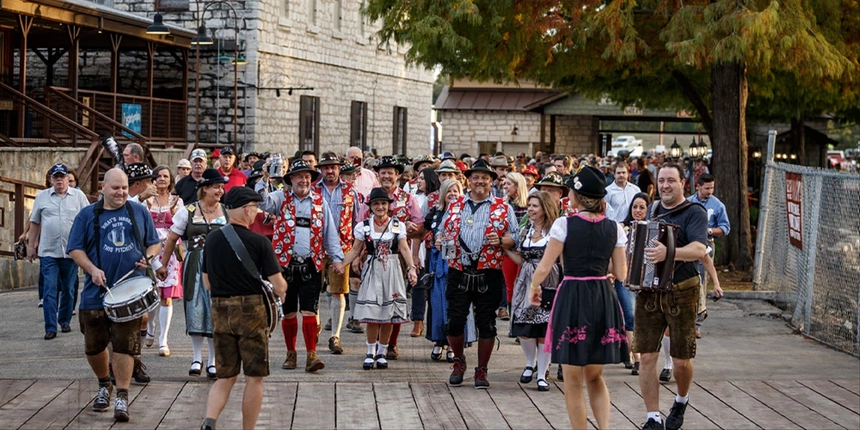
162, 120
16, 192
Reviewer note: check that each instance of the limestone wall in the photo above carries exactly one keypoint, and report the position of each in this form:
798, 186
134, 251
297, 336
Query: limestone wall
473, 132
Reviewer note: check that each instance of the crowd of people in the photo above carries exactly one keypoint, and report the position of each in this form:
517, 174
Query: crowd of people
541, 241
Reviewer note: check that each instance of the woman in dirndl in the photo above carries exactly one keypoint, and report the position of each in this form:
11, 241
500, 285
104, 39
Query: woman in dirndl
529, 322
586, 328
162, 207
381, 299
193, 223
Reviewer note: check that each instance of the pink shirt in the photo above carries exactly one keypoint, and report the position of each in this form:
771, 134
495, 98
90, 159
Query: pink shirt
405, 207
365, 181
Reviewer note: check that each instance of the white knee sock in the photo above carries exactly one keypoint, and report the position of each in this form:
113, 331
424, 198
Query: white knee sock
381, 349
337, 307
150, 323
543, 359
211, 351
165, 313
197, 348
353, 296
529, 347
371, 348
666, 357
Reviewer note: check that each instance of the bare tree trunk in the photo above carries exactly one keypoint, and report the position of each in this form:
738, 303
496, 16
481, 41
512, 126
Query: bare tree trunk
729, 101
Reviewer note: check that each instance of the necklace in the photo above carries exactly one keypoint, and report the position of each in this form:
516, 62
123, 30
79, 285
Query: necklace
380, 224
208, 211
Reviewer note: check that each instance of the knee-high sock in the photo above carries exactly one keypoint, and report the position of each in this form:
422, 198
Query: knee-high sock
165, 313
667, 358
395, 332
529, 347
150, 323
353, 296
309, 333
381, 350
543, 359
290, 326
337, 309
211, 351
197, 348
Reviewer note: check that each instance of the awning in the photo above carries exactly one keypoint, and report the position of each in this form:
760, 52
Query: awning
486, 99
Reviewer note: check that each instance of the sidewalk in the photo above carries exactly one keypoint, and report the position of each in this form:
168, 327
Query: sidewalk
751, 372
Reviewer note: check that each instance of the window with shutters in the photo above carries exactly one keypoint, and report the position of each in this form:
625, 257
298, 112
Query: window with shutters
399, 130
309, 124
358, 125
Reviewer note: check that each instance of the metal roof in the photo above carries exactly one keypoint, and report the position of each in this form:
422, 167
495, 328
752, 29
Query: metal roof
490, 99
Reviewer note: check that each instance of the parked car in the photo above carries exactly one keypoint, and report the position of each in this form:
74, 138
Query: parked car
629, 144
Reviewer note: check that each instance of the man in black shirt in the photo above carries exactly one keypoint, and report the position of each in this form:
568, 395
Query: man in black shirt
186, 188
240, 332
675, 309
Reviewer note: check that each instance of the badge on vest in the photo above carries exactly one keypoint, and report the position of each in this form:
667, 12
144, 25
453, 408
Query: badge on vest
395, 227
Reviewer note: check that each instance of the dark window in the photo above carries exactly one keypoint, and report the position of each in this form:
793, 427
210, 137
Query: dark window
399, 130
358, 125
309, 124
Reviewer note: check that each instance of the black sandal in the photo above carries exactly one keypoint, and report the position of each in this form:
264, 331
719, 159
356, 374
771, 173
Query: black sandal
526, 379
542, 384
211, 371
193, 371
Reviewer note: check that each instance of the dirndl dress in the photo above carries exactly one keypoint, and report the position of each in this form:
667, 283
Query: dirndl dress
529, 320
171, 286
586, 324
198, 305
382, 296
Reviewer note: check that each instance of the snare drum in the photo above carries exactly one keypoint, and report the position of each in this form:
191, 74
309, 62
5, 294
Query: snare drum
131, 299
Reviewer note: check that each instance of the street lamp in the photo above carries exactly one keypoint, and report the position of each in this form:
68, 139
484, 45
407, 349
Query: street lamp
675, 151
157, 26
694, 149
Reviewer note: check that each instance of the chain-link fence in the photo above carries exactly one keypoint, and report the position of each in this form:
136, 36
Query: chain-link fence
808, 250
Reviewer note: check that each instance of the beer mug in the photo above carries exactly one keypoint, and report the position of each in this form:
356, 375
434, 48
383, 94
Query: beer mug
276, 166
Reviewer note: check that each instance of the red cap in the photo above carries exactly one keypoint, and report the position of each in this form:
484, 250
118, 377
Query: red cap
530, 170
216, 154
462, 166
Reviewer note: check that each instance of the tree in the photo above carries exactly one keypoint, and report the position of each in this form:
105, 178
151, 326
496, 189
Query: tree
660, 53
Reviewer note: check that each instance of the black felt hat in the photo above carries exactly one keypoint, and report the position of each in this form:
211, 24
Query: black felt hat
481, 166
299, 166
378, 193
388, 161
589, 182
211, 176
138, 172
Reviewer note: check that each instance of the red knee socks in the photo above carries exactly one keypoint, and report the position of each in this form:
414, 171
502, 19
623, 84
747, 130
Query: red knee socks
291, 332
309, 332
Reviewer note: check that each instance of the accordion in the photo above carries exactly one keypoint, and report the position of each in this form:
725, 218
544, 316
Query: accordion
642, 275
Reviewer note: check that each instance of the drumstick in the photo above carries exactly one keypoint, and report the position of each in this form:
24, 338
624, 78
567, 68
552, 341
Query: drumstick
124, 276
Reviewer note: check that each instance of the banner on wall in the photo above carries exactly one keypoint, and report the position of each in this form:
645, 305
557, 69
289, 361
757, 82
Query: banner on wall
131, 118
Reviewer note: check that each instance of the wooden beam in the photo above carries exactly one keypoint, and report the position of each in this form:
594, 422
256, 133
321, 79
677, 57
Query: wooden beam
26, 22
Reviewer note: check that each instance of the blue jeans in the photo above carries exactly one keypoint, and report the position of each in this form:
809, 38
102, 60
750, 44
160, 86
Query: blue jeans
627, 299
60, 275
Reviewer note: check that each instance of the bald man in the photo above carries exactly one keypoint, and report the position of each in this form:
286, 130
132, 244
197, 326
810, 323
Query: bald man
365, 179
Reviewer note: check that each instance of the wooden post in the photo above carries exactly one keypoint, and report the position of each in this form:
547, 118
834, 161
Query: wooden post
26, 22
150, 49
115, 40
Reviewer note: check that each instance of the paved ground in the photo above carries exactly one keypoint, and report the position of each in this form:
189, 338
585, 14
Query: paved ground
752, 371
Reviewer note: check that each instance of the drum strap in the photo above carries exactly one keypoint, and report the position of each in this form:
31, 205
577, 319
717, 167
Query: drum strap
97, 211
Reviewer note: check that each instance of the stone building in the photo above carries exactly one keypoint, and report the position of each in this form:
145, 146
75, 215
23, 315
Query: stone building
315, 78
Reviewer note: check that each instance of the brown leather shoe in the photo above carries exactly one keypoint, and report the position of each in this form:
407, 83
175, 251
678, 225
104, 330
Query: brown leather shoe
290, 362
313, 364
504, 315
417, 328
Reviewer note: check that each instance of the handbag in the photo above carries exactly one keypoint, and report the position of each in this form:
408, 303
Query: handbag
274, 313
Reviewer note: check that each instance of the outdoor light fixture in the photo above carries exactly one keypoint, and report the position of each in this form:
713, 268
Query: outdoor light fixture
756, 154
240, 60
224, 58
703, 147
515, 131
157, 26
675, 150
202, 38
694, 149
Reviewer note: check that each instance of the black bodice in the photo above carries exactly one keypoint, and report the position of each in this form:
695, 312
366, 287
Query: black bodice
588, 247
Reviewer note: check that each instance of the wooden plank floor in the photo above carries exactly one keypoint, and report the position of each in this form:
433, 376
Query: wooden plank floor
779, 404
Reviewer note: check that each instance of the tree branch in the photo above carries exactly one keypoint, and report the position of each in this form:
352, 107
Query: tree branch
696, 99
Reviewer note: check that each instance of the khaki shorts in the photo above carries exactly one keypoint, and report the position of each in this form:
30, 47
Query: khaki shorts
337, 284
99, 331
675, 309
241, 335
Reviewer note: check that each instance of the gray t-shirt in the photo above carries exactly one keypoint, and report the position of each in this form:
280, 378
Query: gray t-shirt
694, 228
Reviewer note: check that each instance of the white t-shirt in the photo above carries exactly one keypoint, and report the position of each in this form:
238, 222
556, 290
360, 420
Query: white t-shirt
559, 232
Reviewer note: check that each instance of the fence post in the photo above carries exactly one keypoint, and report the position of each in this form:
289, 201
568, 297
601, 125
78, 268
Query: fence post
810, 245
762, 213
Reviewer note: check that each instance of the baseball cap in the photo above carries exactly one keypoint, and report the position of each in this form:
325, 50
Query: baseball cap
183, 163
59, 169
198, 153
241, 196
228, 150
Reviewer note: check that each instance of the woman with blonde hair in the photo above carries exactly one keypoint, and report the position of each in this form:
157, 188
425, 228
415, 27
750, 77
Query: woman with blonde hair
529, 322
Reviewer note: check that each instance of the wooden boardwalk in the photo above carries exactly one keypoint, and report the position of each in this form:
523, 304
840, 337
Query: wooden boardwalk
778, 404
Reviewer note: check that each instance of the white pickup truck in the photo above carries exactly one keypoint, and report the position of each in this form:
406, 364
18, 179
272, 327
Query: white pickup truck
630, 144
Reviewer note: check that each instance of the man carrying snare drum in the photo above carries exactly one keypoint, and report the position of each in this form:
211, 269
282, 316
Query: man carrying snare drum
107, 241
